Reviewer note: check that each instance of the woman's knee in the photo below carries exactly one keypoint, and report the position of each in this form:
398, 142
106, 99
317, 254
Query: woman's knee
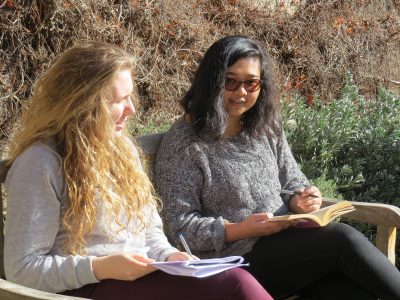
245, 286
346, 235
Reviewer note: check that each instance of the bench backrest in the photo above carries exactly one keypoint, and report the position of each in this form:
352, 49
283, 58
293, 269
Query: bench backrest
149, 145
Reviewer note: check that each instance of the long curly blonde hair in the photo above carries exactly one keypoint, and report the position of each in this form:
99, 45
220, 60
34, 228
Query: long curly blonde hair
70, 107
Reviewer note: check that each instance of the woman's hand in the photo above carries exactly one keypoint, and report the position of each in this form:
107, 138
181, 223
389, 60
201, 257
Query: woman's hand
309, 200
176, 256
254, 226
122, 266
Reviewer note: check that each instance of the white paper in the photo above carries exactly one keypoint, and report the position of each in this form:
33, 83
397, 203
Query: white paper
200, 268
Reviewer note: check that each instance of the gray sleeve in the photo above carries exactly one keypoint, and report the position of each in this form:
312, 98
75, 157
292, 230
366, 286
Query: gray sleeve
159, 247
290, 175
156, 241
179, 180
34, 186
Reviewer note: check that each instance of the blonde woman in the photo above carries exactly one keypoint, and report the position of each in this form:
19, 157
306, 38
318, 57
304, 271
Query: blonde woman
81, 216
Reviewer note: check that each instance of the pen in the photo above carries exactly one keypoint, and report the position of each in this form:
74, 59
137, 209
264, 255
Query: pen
296, 193
185, 245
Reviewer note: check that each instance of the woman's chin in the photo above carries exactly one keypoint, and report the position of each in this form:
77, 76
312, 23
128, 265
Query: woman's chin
119, 131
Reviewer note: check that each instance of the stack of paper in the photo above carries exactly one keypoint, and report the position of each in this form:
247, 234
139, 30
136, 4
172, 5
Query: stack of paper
200, 268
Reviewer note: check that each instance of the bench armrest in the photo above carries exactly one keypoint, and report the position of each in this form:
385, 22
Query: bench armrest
385, 217
12, 291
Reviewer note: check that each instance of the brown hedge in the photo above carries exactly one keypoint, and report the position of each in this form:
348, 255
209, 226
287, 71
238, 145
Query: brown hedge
312, 48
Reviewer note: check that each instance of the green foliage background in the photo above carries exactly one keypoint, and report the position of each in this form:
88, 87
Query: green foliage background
351, 142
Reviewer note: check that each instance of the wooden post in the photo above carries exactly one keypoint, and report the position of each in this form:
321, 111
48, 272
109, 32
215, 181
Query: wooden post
386, 241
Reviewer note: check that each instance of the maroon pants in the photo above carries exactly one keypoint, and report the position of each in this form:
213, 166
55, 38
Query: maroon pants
234, 284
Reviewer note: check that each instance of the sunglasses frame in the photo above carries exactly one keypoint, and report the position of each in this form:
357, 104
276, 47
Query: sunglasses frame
239, 83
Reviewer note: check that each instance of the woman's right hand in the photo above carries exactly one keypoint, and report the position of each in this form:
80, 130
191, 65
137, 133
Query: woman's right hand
254, 225
122, 266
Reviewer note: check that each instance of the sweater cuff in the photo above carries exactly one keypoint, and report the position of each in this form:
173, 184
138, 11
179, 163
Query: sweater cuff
86, 274
219, 234
166, 253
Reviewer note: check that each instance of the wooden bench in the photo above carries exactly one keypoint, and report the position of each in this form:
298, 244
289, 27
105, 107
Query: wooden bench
385, 217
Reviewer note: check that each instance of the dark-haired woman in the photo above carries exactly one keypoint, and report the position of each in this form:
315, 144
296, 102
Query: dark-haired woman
219, 172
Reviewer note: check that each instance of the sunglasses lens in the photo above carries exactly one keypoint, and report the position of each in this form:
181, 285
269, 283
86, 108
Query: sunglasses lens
252, 85
249, 85
232, 84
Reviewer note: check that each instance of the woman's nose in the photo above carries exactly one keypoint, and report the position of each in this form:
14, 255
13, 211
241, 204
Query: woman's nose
129, 108
241, 90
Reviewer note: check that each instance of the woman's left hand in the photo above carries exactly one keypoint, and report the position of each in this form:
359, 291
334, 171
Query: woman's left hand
309, 200
177, 256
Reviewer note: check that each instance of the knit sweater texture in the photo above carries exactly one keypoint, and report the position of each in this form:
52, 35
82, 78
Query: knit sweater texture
204, 184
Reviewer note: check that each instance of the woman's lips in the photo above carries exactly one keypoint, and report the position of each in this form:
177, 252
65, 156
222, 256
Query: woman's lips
238, 101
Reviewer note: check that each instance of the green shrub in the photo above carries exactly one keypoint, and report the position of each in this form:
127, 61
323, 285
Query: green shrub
352, 141
153, 125
327, 187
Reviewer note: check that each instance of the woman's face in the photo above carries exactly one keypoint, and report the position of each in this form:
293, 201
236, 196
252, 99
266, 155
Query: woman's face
239, 101
121, 104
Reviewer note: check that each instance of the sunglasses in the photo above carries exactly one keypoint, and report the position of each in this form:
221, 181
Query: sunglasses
250, 85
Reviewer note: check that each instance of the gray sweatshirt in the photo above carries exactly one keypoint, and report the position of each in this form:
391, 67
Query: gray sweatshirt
203, 184
33, 254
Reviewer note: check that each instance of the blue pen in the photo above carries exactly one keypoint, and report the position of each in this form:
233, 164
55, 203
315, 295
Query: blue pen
185, 245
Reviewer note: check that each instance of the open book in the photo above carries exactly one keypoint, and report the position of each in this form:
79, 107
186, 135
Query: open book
319, 217
200, 268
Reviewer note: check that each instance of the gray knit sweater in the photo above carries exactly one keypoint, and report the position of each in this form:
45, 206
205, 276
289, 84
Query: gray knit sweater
33, 252
203, 184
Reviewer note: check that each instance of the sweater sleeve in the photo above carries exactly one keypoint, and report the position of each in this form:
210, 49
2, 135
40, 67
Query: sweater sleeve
290, 175
34, 186
159, 247
156, 241
180, 172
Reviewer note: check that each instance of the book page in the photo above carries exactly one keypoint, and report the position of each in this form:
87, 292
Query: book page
322, 216
321, 212
299, 217
338, 213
